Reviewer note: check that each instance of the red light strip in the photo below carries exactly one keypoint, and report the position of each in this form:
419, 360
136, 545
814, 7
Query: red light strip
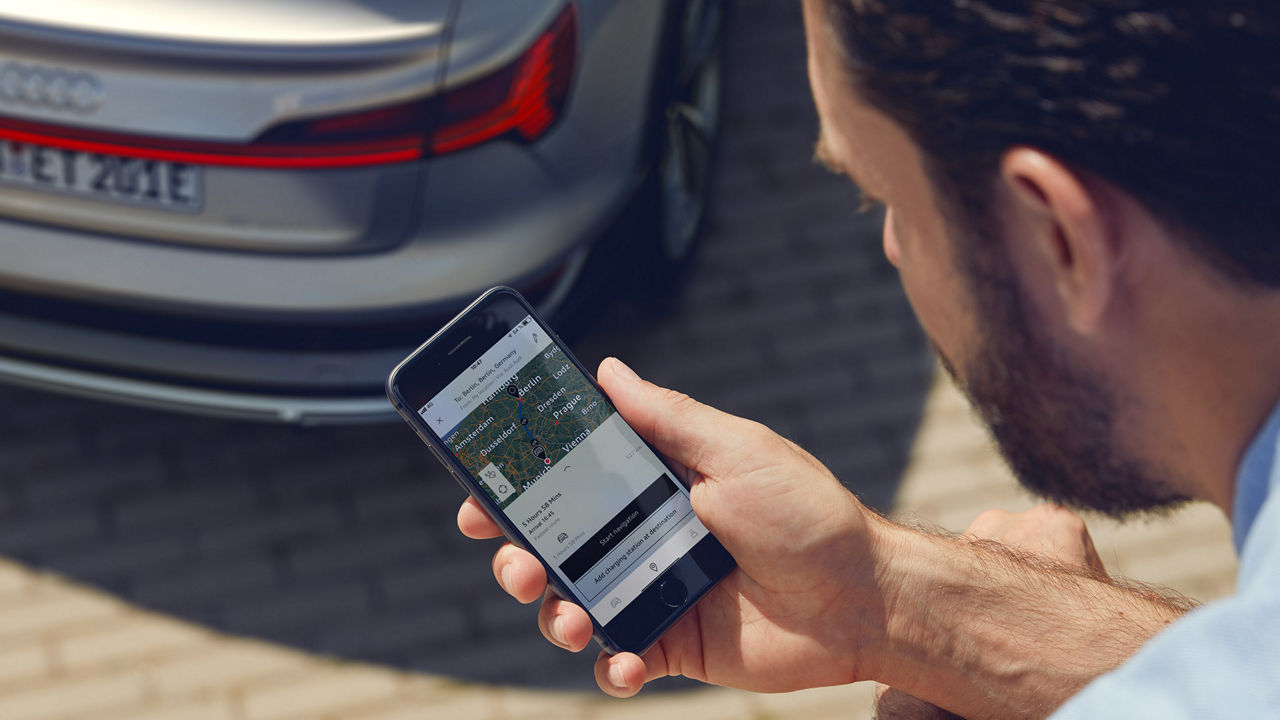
527, 108
277, 157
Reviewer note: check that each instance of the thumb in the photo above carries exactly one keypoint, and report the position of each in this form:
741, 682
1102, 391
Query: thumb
697, 436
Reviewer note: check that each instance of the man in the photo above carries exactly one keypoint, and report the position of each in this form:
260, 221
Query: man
1080, 202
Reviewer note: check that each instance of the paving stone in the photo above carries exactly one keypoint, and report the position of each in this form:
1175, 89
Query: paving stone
48, 610
705, 704
396, 501
23, 663
282, 614
111, 562
821, 349
270, 529
92, 694
93, 478
526, 659
134, 639
469, 704
341, 465
222, 666
390, 638
830, 703
1173, 569
37, 419
28, 535
355, 551
323, 691
499, 612
35, 459
462, 579
14, 579
518, 704
764, 317
159, 511
200, 584
220, 708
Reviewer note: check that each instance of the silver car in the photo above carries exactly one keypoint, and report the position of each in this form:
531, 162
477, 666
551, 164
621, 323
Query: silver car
254, 208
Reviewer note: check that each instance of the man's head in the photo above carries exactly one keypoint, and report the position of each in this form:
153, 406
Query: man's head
1045, 165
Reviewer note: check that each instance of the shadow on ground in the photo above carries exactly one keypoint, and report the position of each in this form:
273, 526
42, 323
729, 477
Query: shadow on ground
342, 541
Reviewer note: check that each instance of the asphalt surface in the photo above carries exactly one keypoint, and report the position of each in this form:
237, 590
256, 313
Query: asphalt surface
342, 541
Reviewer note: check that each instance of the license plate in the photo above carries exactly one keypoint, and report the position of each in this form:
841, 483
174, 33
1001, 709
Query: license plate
150, 183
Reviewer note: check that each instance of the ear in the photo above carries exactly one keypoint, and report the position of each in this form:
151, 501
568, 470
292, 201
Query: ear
1071, 230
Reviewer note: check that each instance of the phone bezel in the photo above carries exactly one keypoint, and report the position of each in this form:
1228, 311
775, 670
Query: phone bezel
450, 351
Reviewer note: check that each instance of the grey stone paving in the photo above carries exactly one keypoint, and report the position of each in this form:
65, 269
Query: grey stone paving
342, 541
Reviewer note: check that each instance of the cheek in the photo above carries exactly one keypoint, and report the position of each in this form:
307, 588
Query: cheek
932, 283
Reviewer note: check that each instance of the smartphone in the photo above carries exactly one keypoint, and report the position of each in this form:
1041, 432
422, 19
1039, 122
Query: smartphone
524, 428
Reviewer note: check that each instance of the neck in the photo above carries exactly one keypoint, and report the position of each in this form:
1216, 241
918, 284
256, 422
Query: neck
1210, 377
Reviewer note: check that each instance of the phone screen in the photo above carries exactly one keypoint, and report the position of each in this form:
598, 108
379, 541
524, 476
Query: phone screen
552, 453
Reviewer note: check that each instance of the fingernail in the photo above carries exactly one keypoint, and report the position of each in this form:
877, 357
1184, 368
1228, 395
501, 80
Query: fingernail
621, 369
506, 577
557, 630
616, 679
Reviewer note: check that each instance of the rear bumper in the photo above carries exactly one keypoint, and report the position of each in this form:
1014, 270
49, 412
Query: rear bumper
220, 403
295, 385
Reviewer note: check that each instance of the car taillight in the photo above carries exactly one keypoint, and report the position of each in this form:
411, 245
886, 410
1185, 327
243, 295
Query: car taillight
521, 101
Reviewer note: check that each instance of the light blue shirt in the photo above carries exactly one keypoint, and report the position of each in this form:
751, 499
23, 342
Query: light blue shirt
1221, 660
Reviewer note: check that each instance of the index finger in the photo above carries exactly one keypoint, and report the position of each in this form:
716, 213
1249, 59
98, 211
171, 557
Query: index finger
475, 523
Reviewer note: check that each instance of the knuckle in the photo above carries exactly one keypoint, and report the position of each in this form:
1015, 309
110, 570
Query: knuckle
761, 436
988, 522
678, 401
680, 406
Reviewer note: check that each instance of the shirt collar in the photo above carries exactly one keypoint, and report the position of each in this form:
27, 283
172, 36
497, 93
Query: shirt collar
1254, 479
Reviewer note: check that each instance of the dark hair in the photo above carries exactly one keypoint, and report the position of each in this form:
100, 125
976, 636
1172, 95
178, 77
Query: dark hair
1178, 103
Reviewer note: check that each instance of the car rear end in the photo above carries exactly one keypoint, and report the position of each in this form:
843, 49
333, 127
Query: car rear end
255, 208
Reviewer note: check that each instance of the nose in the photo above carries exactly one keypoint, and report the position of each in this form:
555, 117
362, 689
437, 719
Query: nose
890, 239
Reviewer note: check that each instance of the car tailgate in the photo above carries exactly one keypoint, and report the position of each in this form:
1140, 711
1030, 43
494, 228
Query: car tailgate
210, 73
273, 25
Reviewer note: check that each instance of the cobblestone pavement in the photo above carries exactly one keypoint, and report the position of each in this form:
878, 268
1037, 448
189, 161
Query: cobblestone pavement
161, 566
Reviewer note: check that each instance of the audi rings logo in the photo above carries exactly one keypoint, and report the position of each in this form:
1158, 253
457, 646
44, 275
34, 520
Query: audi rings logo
50, 87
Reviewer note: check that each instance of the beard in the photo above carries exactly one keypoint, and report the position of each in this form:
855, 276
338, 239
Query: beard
1053, 421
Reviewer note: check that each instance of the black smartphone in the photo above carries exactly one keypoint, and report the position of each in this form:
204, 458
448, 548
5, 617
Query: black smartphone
524, 428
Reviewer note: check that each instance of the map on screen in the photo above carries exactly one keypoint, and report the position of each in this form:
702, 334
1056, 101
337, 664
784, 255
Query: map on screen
528, 424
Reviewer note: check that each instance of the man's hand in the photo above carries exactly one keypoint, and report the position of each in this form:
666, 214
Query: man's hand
827, 592
795, 613
1050, 531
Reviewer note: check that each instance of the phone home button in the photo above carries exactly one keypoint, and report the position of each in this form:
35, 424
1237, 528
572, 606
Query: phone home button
673, 592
